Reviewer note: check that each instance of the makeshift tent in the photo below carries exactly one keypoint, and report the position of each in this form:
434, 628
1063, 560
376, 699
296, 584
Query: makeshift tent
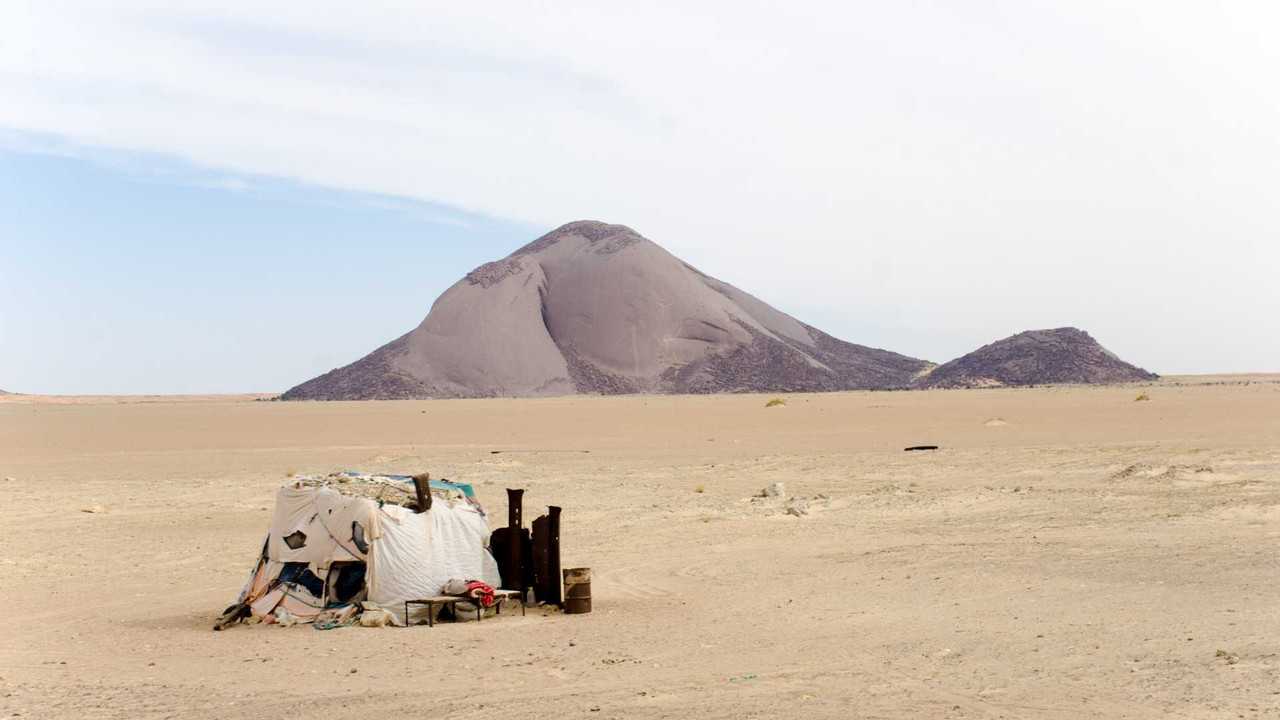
349, 537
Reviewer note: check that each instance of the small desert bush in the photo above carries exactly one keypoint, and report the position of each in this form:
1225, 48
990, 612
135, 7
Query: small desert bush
1142, 397
775, 402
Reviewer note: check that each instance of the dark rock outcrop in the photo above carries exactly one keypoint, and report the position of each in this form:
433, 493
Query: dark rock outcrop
1036, 357
596, 308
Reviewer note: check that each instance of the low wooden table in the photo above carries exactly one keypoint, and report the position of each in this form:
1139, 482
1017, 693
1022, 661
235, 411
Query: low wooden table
453, 600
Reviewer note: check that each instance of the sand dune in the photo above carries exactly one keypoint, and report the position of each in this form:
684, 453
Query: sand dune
1086, 556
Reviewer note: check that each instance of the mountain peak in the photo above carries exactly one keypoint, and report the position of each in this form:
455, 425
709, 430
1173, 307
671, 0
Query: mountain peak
599, 236
593, 232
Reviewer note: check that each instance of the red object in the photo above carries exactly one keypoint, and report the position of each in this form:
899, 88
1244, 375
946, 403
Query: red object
480, 591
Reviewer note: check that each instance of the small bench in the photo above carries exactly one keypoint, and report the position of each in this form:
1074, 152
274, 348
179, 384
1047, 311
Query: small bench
451, 601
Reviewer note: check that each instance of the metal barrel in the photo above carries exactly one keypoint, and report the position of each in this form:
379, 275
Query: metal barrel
577, 590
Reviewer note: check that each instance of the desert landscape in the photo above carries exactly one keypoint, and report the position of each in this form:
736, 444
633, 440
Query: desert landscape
691, 361
1067, 552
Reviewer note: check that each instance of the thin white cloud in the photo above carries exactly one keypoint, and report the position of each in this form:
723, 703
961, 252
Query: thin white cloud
963, 169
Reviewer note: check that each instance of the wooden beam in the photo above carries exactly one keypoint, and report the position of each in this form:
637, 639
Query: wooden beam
422, 485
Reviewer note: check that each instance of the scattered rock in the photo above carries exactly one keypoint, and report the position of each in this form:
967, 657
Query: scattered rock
996, 422
1131, 470
94, 509
1173, 471
774, 490
798, 506
376, 617
1166, 472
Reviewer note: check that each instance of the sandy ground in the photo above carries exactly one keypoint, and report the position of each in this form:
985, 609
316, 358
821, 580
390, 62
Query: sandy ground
1068, 553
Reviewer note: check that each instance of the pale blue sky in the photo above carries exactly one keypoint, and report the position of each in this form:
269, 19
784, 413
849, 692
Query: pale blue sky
219, 195
130, 274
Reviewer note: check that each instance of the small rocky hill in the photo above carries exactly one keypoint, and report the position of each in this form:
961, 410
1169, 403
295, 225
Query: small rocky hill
1036, 357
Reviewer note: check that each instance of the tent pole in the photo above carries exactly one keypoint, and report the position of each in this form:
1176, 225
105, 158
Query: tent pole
515, 549
422, 485
555, 595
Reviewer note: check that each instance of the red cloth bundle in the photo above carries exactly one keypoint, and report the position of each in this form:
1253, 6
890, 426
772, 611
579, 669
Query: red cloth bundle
482, 592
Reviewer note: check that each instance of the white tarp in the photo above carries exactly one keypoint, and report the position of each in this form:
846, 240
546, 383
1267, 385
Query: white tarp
416, 554
324, 517
409, 555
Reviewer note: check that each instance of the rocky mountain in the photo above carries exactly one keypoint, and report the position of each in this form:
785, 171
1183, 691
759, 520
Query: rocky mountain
596, 308
1036, 357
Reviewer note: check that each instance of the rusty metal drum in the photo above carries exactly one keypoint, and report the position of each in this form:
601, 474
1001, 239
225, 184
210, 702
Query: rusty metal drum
577, 590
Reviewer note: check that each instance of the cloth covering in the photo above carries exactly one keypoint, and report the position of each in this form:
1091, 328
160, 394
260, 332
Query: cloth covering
325, 517
417, 553
483, 592
408, 555
472, 589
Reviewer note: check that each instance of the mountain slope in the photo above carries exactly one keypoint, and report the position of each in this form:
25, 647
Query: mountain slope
596, 308
1036, 357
